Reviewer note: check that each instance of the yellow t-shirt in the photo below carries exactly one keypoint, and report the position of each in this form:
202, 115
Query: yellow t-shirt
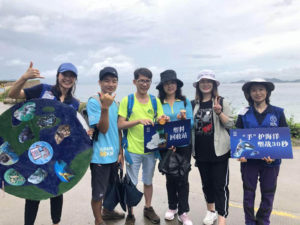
135, 135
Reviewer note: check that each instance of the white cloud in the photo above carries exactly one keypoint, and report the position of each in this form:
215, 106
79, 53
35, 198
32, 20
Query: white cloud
187, 36
66, 57
109, 56
264, 45
15, 62
49, 74
290, 73
286, 73
26, 24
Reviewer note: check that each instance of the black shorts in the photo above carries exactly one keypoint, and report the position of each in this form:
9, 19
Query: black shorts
102, 175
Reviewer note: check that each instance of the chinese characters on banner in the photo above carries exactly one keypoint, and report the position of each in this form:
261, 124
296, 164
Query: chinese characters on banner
257, 143
176, 133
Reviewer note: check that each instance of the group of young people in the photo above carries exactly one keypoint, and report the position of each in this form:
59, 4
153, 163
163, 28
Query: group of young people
117, 131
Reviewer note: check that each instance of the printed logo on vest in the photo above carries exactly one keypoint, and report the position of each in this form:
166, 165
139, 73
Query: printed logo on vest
273, 121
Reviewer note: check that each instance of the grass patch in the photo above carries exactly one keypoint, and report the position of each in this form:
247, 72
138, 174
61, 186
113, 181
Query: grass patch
4, 95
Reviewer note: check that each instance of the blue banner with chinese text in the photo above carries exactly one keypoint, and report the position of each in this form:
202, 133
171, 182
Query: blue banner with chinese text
257, 143
176, 133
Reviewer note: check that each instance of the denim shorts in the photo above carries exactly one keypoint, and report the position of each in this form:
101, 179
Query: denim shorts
148, 162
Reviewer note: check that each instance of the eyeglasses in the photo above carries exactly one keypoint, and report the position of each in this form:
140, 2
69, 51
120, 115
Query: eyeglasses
141, 81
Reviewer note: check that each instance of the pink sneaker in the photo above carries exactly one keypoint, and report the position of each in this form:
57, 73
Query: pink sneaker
184, 219
170, 214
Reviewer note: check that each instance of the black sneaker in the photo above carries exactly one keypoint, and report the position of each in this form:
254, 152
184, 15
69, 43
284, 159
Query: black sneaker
111, 215
130, 220
150, 214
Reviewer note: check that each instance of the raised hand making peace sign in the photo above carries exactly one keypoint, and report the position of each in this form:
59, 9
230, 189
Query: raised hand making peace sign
217, 105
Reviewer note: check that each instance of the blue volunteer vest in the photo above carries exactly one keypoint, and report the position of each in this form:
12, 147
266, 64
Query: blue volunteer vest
271, 120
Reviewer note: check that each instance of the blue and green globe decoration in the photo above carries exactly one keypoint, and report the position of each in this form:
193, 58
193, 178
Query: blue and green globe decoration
44, 149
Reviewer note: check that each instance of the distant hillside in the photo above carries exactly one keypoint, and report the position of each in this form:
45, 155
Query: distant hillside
274, 80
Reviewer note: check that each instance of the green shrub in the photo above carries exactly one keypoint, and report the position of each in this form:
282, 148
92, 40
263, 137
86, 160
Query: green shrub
294, 127
4, 95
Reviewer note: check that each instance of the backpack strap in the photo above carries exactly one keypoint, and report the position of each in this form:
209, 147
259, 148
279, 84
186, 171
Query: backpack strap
83, 111
130, 105
193, 103
96, 97
221, 102
195, 107
154, 105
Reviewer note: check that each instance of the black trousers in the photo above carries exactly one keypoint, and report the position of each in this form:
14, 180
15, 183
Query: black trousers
215, 180
178, 187
32, 206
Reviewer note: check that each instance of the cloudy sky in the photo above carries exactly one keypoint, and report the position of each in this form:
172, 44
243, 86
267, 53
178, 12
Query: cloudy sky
238, 39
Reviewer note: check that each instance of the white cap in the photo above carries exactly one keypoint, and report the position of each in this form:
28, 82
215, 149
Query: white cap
206, 74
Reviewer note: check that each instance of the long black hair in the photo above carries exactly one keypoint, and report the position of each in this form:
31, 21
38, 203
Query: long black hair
70, 92
178, 95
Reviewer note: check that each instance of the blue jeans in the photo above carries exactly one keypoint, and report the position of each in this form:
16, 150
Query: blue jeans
148, 162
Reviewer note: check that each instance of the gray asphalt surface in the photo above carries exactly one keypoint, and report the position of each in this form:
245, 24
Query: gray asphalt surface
77, 210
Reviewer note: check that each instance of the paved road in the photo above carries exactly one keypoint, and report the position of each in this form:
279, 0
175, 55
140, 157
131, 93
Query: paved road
76, 210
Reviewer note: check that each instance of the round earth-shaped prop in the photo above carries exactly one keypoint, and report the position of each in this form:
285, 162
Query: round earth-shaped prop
44, 149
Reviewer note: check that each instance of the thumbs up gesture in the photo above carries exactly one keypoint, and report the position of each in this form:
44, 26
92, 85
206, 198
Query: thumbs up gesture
106, 100
32, 73
217, 105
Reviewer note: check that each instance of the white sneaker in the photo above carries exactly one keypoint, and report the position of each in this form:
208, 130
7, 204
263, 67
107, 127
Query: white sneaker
170, 214
184, 219
210, 218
